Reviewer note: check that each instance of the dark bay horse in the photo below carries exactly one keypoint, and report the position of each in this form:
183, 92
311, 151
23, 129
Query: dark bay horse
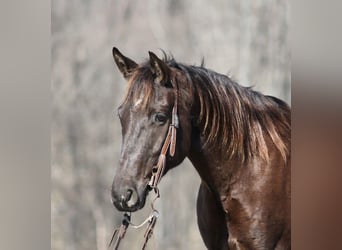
237, 139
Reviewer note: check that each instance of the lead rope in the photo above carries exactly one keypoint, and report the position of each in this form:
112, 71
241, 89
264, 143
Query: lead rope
157, 173
120, 232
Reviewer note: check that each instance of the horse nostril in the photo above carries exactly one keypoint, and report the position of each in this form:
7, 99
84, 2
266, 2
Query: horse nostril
128, 194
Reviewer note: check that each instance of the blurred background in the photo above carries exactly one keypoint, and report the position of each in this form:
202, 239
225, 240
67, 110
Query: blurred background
248, 40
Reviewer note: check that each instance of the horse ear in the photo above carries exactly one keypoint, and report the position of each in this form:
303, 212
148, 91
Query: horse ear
160, 69
125, 65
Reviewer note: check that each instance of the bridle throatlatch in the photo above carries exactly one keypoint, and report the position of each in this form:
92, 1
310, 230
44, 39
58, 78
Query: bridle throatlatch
157, 173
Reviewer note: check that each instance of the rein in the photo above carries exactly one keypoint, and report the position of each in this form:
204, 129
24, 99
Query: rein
157, 173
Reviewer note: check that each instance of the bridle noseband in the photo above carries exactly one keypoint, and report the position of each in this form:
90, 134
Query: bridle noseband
157, 173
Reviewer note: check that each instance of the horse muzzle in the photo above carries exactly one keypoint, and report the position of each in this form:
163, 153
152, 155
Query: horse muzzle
128, 199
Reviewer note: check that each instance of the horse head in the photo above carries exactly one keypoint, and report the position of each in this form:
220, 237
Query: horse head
145, 116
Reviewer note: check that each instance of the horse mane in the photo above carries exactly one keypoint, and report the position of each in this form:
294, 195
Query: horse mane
236, 119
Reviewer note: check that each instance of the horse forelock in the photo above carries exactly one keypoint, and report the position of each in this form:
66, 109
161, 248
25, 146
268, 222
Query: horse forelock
139, 90
140, 86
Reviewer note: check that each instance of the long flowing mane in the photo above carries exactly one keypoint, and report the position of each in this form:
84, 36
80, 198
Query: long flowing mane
236, 119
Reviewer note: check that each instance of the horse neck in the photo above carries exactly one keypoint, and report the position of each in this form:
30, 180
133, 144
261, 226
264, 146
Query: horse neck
213, 170
208, 163
219, 172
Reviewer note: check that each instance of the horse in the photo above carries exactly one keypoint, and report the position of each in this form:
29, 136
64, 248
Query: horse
237, 139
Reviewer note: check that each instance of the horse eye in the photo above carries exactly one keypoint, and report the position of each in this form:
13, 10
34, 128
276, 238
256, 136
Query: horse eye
160, 118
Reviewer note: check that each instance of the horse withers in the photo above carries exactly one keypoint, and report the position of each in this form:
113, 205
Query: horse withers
237, 139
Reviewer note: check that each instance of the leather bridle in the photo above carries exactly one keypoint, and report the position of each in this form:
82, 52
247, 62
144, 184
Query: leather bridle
170, 142
157, 173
